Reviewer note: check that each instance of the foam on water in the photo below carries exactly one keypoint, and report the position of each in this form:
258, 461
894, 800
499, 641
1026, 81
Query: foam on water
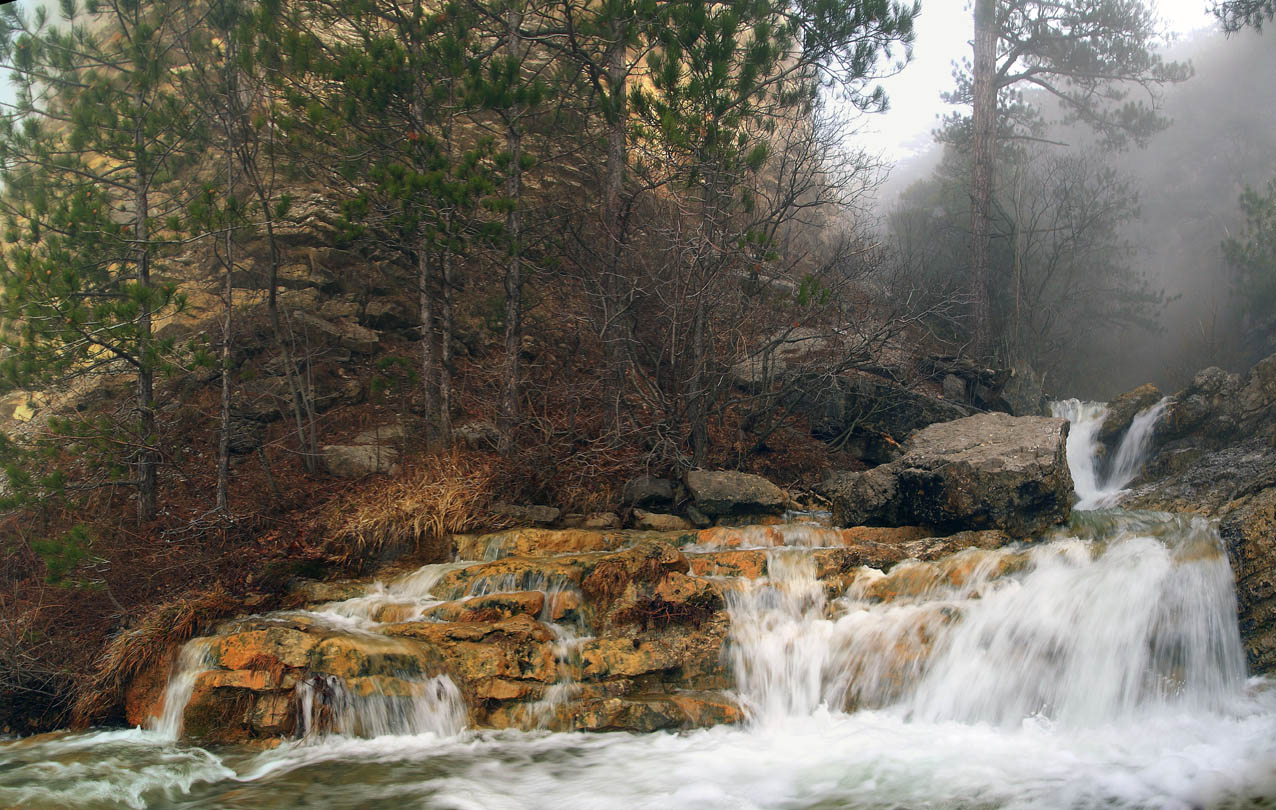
1100, 482
1101, 668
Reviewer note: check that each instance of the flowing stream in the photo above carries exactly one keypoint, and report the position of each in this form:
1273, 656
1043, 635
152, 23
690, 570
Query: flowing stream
1100, 667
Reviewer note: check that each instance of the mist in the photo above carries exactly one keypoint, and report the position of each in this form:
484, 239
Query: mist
1188, 178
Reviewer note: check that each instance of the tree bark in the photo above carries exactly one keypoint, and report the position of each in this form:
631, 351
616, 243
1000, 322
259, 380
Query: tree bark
445, 350
429, 360
513, 281
146, 461
983, 144
615, 304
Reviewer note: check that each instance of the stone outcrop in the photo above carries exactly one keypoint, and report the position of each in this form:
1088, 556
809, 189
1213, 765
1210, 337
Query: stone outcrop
1214, 454
991, 471
878, 415
649, 608
359, 460
1123, 409
723, 493
647, 492
1249, 535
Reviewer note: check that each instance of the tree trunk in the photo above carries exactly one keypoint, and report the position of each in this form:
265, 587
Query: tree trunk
983, 143
445, 351
429, 360
615, 303
513, 267
228, 291
146, 461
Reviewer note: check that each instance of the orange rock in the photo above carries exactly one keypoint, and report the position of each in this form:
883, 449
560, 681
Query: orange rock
492, 607
264, 649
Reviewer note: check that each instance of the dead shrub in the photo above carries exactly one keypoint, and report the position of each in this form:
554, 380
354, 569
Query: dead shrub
158, 634
447, 493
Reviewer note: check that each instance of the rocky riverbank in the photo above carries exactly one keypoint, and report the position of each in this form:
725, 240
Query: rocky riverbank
605, 628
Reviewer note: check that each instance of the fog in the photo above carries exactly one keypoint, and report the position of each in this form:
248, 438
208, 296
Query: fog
1189, 178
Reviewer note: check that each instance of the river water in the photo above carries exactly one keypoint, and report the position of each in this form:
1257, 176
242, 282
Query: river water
1101, 667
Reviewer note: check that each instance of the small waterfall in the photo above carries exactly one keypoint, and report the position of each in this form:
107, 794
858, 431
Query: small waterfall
780, 647
1095, 488
192, 661
569, 637
327, 704
1090, 635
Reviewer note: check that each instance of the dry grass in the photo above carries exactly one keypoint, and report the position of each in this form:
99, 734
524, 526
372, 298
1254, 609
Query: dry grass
155, 637
417, 511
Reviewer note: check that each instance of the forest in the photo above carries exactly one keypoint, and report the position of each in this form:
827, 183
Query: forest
536, 249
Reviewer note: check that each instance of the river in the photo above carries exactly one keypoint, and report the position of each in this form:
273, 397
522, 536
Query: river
1100, 667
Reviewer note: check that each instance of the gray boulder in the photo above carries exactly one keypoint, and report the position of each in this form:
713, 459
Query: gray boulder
1123, 409
358, 460
646, 491
527, 515
991, 471
352, 336
1206, 410
720, 493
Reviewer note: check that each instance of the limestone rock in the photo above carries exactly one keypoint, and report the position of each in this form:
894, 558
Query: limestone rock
1257, 399
1123, 409
542, 515
719, 493
647, 492
479, 435
358, 460
654, 521
356, 338
381, 434
879, 415
1249, 535
991, 471
954, 388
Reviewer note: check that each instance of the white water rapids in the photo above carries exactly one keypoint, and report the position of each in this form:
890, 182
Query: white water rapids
1101, 667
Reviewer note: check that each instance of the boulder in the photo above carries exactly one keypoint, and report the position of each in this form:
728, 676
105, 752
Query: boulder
1024, 391
1123, 409
1249, 536
352, 336
647, 492
879, 415
954, 388
656, 522
720, 493
991, 471
1257, 399
1205, 411
388, 314
479, 435
358, 460
381, 434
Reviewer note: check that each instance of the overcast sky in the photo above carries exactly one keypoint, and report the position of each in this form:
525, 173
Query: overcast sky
944, 31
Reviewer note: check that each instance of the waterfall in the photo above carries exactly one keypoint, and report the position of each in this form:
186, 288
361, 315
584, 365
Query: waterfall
1137, 616
1096, 489
327, 704
191, 662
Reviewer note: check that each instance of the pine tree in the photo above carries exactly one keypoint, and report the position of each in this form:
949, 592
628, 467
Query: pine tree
93, 155
1095, 59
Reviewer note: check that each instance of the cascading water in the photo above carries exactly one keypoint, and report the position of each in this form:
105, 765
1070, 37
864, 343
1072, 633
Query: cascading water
1100, 482
1099, 667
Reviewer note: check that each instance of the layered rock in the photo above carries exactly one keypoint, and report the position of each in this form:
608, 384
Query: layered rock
991, 471
1249, 535
1123, 409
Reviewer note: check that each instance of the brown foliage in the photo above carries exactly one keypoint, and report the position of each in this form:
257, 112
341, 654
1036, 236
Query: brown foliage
156, 636
417, 512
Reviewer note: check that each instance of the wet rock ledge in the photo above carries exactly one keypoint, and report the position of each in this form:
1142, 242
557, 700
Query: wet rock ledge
603, 629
